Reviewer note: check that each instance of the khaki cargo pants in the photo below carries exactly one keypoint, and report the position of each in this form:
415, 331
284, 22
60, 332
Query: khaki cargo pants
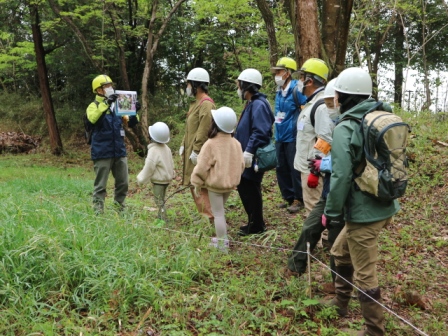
357, 245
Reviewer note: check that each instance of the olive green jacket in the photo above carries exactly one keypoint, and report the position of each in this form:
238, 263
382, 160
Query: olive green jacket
199, 119
346, 155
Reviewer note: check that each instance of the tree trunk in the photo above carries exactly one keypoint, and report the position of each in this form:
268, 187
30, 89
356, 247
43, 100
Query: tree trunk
309, 38
335, 29
427, 102
268, 19
290, 6
55, 138
151, 48
398, 61
88, 51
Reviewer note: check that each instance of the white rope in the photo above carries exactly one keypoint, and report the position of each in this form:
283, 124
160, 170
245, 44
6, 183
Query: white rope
271, 248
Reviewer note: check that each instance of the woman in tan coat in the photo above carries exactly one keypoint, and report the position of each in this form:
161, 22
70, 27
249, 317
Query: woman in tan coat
219, 169
198, 123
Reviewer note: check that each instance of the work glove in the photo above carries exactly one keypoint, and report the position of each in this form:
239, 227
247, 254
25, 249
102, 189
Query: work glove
328, 221
313, 180
194, 158
248, 157
111, 99
314, 164
137, 106
133, 120
181, 150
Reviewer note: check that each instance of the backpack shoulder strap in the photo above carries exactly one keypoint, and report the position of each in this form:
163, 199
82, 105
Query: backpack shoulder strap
206, 98
313, 110
295, 96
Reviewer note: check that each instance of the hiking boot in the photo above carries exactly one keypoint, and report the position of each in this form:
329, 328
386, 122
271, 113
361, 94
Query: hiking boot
372, 312
284, 205
250, 229
343, 290
295, 207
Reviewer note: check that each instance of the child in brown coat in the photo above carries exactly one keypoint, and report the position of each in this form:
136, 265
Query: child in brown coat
219, 168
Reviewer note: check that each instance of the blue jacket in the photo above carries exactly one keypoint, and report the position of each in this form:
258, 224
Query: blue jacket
286, 130
254, 129
108, 138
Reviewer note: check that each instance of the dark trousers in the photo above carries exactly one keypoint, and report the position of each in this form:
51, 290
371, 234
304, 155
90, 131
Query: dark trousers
311, 232
250, 194
289, 180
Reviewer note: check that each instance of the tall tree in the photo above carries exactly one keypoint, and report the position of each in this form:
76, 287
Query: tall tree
53, 131
268, 19
151, 48
398, 60
336, 15
309, 37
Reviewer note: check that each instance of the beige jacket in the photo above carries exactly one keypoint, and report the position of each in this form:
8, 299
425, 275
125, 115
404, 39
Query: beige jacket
220, 164
199, 119
307, 134
159, 165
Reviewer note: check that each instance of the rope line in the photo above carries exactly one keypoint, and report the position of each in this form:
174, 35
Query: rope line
281, 249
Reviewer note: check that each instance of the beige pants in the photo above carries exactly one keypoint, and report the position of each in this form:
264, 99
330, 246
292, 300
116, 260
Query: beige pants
203, 203
310, 195
357, 245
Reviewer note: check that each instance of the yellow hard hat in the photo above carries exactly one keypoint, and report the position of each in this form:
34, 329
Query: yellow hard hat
285, 63
316, 67
99, 81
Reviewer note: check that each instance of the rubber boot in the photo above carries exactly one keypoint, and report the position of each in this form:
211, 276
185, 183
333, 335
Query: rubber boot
372, 313
343, 289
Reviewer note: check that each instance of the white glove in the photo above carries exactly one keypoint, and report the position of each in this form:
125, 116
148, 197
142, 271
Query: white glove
248, 159
181, 150
194, 158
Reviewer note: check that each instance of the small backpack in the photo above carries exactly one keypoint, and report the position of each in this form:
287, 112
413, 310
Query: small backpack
383, 173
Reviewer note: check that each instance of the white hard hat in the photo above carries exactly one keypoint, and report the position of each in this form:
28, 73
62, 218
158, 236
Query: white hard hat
354, 81
251, 76
329, 89
198, 75
159, 132
225, 119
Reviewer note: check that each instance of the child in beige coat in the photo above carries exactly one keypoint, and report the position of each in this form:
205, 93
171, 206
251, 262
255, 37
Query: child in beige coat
159, 165
219, 168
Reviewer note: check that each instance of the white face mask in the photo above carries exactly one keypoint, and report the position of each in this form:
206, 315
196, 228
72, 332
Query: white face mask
189, 92
240, 93
109, 91
279, 80
299, 85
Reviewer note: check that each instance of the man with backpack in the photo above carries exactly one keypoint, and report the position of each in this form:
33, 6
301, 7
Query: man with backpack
356, 248
288, 101
106, 138
312, 124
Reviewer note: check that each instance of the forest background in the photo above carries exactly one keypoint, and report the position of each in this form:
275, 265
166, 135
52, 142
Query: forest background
51, 50
65, 271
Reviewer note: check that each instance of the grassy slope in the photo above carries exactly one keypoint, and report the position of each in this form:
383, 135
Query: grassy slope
65, 271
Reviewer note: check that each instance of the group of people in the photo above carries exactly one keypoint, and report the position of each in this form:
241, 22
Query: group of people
318, 147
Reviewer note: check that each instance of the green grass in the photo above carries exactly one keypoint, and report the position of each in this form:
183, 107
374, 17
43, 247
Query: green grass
65, 271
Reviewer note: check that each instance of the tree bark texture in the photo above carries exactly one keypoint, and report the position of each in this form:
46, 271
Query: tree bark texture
290, 6
335, 29
53, 131
309, 38
268, 19
399, 61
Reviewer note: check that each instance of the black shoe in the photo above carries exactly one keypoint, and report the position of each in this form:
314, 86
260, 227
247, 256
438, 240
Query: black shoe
247, 230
